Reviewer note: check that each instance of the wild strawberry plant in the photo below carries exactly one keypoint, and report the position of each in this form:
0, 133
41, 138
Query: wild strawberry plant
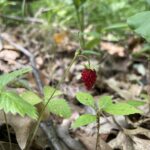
24, 104
104, 104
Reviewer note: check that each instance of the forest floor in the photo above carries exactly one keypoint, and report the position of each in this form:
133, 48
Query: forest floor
122, 72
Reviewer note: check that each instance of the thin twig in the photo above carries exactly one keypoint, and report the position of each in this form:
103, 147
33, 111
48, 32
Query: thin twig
50, 132
8, 132
98, 147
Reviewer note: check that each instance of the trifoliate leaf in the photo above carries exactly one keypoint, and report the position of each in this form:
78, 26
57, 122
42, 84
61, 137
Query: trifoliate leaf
12, 102
84, 120
59, 107
85, 98
121, 109
104, 101
8, 77
135, 103
48, 91
31, 97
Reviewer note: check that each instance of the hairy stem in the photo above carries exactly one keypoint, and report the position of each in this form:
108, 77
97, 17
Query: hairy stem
98, 147
42, 112
8, 132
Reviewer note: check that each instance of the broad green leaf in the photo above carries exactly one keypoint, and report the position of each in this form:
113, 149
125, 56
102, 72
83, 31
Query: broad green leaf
85, 98
48, 91
12, 102
141, 24
90, 52
31, 97
59, 107
8, 77
121, 109
117, 26
104, 101
135, 103
84, 120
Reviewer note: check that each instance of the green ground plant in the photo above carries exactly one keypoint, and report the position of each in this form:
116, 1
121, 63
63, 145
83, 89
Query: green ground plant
104, 104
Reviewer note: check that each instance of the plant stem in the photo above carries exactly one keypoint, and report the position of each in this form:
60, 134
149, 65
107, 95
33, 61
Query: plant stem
23, 7
42, 112
9, 138
80, 20
82, 28
98, 145
87, 58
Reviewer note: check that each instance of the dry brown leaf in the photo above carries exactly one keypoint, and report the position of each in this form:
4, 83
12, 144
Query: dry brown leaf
21, 125
113, 49
9, 55
125, 90
90, 141
122, 141
141, 144
138, 130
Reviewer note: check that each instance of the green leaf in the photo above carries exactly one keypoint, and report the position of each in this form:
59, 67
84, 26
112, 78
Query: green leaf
92, 43
135, 103
104, 101
78, 3
12, 102
90, 52
84, 120
48, 91
121, 109
117, 26
141, 24
85, 98
59, 107
8, 77
31, 97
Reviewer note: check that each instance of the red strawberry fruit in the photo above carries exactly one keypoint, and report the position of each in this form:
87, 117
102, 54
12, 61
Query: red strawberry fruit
88, 77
